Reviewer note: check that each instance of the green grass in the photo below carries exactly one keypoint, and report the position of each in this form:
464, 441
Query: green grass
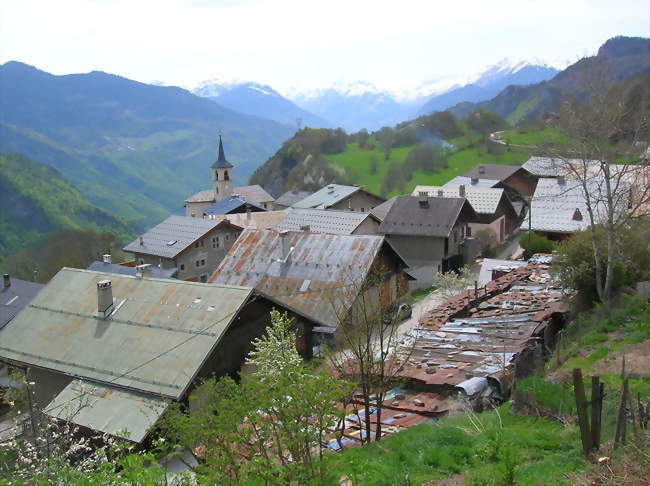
535, 137
535, 451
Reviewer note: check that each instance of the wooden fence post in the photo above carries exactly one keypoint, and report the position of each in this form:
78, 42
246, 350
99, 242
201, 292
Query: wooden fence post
596, 410
620, 420
583, 417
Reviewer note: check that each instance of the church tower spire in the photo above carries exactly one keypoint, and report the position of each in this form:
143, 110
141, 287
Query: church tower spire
222, 175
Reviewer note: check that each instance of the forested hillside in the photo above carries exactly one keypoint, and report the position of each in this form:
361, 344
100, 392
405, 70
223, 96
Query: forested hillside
36, 201
133, 149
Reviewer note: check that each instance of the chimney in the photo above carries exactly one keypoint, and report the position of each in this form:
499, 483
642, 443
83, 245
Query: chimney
561, 180
286, 250
248, 212
474, 181
104, 298
461, 190
305, 227
141, 241
140, 270
6, 280
481, 169
106, 258
441, 193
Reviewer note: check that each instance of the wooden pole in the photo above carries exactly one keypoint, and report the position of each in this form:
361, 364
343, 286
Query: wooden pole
634, 426
619, 437
596, 411
583, 417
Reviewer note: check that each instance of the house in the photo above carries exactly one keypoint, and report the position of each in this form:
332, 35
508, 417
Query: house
231, 205
109, 352
493, 207
328, 221
337, 196
106, 266
319, 276
430, 233
193, 246
518, 182
15, 295
289, 198
559, 206
222, 175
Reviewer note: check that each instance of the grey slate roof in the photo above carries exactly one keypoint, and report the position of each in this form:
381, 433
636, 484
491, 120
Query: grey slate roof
206, 195
467, 181
381, 211
320, 279
254, 194
290, 198
172, 236
484, 200
221, 162
433, 216
327, 196
492, 171
154, 272
15, 297
232, 204
323, 221
155, 341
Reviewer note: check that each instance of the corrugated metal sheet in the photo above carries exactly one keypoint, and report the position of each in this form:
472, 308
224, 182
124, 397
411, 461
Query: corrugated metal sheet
323, 221
111, 410
172, 236
327, 196
484, 200
155, 341
320, 278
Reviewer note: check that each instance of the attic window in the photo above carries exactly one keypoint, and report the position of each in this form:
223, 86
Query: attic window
577, 215
172, 242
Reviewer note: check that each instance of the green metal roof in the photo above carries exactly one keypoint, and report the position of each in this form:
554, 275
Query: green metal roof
155, 341
114, 411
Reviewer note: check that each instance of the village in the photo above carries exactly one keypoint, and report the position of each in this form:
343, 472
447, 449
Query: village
121, 340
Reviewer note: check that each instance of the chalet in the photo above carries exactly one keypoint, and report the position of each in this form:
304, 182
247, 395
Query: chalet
319, 276
290, 198
518, 182
430, 233
493, 207
328, 221
193, 246
222, 174
337, 196
110, 352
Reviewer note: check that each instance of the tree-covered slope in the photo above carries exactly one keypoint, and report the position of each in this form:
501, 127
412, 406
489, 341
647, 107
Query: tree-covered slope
35, 201
133, 149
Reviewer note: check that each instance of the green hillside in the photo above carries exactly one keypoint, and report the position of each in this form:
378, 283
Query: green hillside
36, 201
130, 148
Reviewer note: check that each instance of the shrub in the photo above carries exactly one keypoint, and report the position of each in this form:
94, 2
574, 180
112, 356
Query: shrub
533, 243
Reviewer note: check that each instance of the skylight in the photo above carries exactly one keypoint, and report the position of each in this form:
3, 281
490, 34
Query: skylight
172, 242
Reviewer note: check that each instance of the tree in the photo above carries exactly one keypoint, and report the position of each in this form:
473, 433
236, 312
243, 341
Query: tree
373, 164
454, 282
533, 243
268, 427
601, 158
369, 349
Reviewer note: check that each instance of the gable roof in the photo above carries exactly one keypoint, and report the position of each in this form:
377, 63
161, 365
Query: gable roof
231, 204
493, 171
382, 210
327, 196
173, 235
323, 221
320, 279
433, 216
154, 271
206, 195
484, 200
467, 181
254, 194
289, 198
155, 341
221, 162
254, 220
14, 298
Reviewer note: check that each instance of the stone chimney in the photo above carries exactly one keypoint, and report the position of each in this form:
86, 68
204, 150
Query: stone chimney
481, 169
106, 258
104, 298
286, 250
461, 190
141, 241
6, 280
474, 181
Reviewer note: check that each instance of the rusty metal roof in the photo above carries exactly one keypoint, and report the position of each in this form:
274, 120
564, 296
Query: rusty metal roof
319, 279
157, 338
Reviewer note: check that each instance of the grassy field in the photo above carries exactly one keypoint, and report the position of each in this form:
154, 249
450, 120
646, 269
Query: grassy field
356, 162
534, 137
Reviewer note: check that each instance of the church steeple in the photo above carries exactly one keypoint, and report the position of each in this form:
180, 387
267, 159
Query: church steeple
222, 175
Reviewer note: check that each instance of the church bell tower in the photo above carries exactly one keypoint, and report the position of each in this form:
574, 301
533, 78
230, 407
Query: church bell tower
222, 175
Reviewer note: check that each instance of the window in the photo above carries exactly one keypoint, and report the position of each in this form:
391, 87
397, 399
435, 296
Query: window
204, 278
227, 236
362, 210
216, 175
203, 263
215, 242
196, 245
141, 261
196, 264
469, 231
226, 177
182, 267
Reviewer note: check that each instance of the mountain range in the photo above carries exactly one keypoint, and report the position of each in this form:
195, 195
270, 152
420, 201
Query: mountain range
130, 148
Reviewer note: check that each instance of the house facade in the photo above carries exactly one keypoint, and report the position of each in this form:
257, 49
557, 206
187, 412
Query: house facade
193, 246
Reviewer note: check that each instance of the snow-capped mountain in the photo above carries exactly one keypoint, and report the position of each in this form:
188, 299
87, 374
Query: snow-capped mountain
259, 100
487, 84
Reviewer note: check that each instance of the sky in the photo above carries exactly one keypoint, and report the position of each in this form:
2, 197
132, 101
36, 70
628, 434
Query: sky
303, 44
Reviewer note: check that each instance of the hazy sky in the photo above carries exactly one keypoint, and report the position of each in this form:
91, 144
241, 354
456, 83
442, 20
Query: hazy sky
306, 43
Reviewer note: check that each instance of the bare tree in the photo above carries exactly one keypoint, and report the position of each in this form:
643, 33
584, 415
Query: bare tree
606, 129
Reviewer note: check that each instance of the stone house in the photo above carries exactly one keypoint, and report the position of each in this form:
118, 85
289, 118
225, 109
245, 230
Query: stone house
193, 246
